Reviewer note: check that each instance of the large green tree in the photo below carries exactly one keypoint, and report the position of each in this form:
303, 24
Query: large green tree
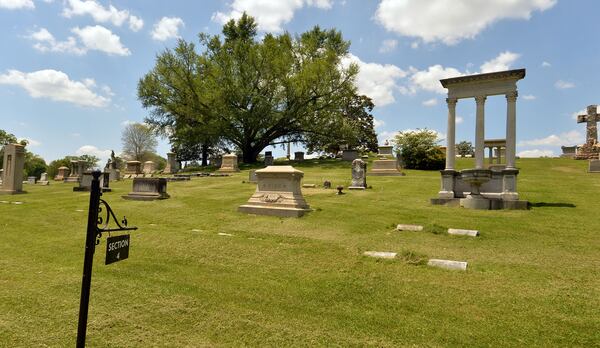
248, 92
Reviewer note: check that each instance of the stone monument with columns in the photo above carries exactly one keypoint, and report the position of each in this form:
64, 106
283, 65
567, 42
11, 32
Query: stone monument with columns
12, 175
480, 187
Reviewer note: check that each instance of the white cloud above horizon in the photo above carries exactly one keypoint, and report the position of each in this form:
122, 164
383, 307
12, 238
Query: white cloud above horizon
450, 22
17, 4
535, 153
92, 150
562, 139
96, 38
270, 15
101, 14
54, 85
502, 62
388, 45
377, 81
167, 28
560, 84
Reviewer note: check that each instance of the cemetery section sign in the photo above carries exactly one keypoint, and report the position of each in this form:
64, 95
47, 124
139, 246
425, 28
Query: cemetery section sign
117, 248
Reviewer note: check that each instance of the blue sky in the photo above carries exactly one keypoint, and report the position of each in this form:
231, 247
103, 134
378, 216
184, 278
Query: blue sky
69, 69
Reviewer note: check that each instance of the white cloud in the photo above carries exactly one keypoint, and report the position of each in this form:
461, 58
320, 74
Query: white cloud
459, 120
101, 39
270, 15
97, 11
429, 80
502, 62
135, 23
414, 45
103, 155
529, 97
546, 64
91, 38
388, 45
580, 112
55, 85
45, 42
430, 102
167, 28
536, 153
378, 123
451, 21
568, 138
376, 81
17, 4
560, 84
127, 123
387, 135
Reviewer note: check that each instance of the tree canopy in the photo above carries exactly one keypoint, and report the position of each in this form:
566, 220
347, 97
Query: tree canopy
138, 141
252, 93
419, 149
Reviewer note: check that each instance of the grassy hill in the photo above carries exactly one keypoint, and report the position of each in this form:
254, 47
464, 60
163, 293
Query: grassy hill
533, 276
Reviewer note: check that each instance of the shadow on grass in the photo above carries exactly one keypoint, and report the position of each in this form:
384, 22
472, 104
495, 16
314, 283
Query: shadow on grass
554, 205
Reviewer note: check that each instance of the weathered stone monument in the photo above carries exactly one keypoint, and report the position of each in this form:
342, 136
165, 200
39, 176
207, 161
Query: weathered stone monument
149, 167
85, 185
349, 155
77, 169
111, 168
268, 158
590, 149
359, 175
497, 151
133, 167
172, 164
12, 175
278, 193
299, 156
63, 172
229, 164
387, 164
148, 189
252, 176
594, 166
569, 151
482, 188
44, 179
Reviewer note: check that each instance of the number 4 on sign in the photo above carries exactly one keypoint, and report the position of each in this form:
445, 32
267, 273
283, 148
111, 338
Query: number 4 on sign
118, 255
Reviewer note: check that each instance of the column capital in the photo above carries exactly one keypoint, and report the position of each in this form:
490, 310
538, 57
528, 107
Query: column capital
480, 99
451, 101
512, 96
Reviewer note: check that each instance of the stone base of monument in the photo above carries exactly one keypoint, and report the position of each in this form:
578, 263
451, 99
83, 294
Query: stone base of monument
43, 183
386, 167
594, 166
11, 192
148, 189
278, 193
72, 179
475, 202
356, 188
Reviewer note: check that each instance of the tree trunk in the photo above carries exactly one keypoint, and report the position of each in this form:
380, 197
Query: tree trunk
204, 155
250, 153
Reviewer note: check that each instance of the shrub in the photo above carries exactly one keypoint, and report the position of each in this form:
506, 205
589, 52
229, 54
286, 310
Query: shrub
419, 150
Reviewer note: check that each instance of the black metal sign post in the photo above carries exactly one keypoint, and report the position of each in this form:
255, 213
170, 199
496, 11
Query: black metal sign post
95, 226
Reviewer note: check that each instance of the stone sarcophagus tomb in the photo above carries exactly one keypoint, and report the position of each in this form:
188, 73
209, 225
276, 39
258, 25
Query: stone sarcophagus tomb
148, 189
278, 193
85, 184
229, 164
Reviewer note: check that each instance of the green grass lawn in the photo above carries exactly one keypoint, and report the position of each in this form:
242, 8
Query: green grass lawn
533, 276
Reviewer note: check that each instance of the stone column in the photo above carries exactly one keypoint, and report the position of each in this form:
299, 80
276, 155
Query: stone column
511, 129
491, 152
479, 131
450, 137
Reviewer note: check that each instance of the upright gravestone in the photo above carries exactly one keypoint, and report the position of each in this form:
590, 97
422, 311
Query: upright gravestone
172, 164
359, 175
63, 172
299, 156
594, 166
149, 167
268, 158
12, 175
252, 176
86, 182
278, 193
44, 179
111, 168
148, 189
31, 180
229, 164
349, 155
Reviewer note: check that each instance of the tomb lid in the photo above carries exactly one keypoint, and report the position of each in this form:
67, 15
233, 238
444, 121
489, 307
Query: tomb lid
149, 162
134, 162
280, 169
230, 155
